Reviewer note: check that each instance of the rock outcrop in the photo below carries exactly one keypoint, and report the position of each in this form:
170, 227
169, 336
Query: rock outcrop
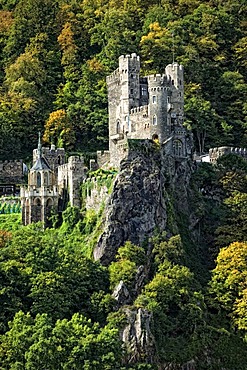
137, 336
136, 206
140, 200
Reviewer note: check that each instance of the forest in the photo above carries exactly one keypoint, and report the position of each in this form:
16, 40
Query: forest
57, 310
55, 55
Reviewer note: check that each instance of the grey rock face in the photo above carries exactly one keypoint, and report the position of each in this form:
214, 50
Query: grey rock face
121, 294
137, 336
136, 206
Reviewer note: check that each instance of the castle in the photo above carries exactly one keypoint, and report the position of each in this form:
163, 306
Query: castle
150, 107
143, 109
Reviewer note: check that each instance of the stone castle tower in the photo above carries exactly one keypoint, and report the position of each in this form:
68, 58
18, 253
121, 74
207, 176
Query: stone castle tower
149, 107
41, 195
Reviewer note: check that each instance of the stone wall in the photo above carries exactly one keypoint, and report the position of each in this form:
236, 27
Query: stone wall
216, 153
96, 191
11, 172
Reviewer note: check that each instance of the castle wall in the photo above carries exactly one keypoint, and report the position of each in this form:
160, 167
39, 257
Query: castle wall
70, 176
96, 191
216, 153
11, 172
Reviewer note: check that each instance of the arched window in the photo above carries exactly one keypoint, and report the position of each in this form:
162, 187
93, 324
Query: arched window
49, 202
118, 127
37, 202
46, 179
177, 148
154, 120
38, 180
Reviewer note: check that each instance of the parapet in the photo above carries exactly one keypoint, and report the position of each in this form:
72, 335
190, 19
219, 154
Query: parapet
215, 153
141, 109
76, 159
132, 56
157, 82
113, 77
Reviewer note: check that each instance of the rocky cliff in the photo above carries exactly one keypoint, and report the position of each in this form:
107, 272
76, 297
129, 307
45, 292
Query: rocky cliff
141, 202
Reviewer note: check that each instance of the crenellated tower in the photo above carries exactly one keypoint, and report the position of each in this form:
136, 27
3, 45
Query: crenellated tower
150, 107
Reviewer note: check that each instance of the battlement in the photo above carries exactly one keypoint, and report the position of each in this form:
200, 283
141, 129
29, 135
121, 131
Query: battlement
215, 153
132, 56
113, 76
142, 109
13, 162
76, 159
156, 80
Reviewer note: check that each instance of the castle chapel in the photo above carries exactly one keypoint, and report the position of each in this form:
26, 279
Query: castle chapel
150, 107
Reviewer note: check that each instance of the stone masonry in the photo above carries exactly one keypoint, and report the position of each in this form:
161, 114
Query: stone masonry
150, 107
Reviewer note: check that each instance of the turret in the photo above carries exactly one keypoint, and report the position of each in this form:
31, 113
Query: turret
175, 79
157, 89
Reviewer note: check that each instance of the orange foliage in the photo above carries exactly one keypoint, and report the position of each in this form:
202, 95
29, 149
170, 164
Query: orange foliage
5, 236
6, 21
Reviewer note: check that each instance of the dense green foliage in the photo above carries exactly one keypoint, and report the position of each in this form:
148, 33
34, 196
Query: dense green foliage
56, 305
55, 55
57, 310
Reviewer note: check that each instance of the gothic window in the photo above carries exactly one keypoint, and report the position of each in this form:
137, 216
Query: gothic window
49, 202
37, 202
46, 182
154, 99
38, 180
177, 148
154, 120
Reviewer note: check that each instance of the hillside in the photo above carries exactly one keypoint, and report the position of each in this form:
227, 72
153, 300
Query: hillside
55, 55
147, 271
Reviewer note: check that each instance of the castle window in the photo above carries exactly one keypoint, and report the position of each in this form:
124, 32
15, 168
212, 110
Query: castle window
49, 202
37, 202
177, 148
131, 91
154, 99
168, 99
38, 180
46, 178
154, 120
118, 127
143, 91
180, 82
172, 82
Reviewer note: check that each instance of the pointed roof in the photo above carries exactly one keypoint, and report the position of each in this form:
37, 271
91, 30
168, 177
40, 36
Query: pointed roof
41, 163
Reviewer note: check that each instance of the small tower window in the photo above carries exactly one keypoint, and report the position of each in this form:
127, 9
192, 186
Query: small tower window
154, 99
38, 180
45, 178
118, 127
143, 91
154, 120
131, 91
168, 99
172, 82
